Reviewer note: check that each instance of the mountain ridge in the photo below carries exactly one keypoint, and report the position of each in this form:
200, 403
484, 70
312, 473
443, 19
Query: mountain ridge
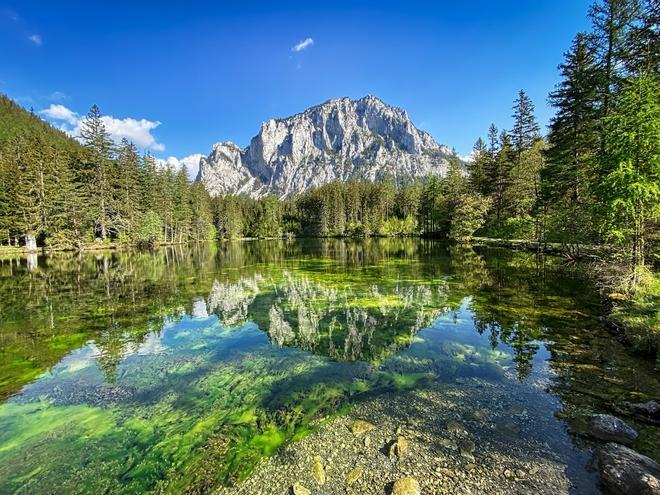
339, 139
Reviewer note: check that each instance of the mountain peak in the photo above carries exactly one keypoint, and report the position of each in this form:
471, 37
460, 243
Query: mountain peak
340, 139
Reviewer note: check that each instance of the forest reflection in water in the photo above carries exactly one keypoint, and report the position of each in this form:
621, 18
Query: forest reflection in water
196, 360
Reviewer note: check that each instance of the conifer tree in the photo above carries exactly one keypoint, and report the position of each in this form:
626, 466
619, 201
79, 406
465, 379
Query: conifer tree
644, 41
9, 221
501, 176
97, 171
127, 194
491, 168
525, 128
477, 168
573, 137
612, 22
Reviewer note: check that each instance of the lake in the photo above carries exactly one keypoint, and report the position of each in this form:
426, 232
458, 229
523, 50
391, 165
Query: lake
204, 368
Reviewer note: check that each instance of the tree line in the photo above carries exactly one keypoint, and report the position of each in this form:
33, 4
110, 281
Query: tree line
436, 206
58, 194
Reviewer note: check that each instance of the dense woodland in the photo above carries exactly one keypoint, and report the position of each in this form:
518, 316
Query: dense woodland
63, 194
595, 177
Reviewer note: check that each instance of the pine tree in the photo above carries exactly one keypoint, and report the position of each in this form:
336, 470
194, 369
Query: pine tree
501, 176
230, 219
478, 167
97, 171
493, 141
128, 190
644, 41
612, 21
182, 207
201, 211
525, 128
573, 138
491, 166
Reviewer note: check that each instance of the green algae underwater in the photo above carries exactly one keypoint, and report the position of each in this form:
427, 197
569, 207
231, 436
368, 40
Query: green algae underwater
175, 371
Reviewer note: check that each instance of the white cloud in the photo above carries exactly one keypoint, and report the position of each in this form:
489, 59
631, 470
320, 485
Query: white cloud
36, 39
302, 45
191, 162
138, 131
60, 112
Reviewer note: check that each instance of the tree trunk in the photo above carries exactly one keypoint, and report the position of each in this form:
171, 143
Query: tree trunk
32, 261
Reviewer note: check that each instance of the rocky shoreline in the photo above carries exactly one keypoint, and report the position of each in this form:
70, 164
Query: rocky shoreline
473, 436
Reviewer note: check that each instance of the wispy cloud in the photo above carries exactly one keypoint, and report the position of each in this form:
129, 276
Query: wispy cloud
60, 112
298, 47
58, 96
12, 15
136, 130
36, 39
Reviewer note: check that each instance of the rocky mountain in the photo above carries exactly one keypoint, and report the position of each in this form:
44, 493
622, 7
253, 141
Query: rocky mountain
341, 139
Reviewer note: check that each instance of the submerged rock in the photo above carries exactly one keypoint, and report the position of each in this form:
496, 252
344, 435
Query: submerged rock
466, 445
645, 411
398, 447
360, 426
353, 476
298, 489
318, 472
406, 486
623, 471
610, 428
455, 427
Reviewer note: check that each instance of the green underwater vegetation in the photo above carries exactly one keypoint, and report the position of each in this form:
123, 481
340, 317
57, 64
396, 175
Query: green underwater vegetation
177, 370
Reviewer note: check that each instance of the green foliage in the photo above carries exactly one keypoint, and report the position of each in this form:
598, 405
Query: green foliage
16, 121
629, 191
468, 216
639, 314
597, 179
150, 228
400, 226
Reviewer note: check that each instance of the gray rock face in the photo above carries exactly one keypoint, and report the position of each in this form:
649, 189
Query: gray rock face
626, 472
340, 139
610, 429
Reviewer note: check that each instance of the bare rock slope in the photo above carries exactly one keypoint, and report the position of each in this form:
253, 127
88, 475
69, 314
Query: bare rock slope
341, 139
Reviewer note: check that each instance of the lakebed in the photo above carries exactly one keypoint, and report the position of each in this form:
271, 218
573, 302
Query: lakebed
237, 368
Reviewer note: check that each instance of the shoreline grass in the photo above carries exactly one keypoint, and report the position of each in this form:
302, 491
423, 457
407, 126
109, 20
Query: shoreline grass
637, 316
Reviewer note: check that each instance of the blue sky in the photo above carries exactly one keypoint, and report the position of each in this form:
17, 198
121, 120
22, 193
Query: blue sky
178, 78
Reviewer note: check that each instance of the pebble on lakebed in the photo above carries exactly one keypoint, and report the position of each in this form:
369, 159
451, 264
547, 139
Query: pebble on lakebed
299, 489
398, 447
318, 472
406, 486
360, 426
